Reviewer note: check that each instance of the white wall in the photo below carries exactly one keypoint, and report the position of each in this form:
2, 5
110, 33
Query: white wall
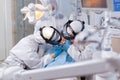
5, 28
2, 30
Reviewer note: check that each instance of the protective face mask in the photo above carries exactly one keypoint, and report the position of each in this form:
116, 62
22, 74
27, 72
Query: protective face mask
54, 37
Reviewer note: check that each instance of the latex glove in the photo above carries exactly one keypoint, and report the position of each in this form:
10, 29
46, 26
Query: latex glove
66, 45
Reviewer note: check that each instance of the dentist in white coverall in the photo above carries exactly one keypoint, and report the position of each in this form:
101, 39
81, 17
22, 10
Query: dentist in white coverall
24, 55
86, 51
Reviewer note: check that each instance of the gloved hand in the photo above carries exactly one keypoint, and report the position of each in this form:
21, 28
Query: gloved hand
66, 45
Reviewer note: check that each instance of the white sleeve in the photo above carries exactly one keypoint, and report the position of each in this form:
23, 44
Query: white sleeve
74, 52
26, 51
81, 55
44, 61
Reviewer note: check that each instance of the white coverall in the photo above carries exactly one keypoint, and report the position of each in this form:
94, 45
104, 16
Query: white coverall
85, 52
88, 52
24, 55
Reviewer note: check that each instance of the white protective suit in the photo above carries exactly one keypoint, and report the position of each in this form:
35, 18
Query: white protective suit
24, 56
80, 53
